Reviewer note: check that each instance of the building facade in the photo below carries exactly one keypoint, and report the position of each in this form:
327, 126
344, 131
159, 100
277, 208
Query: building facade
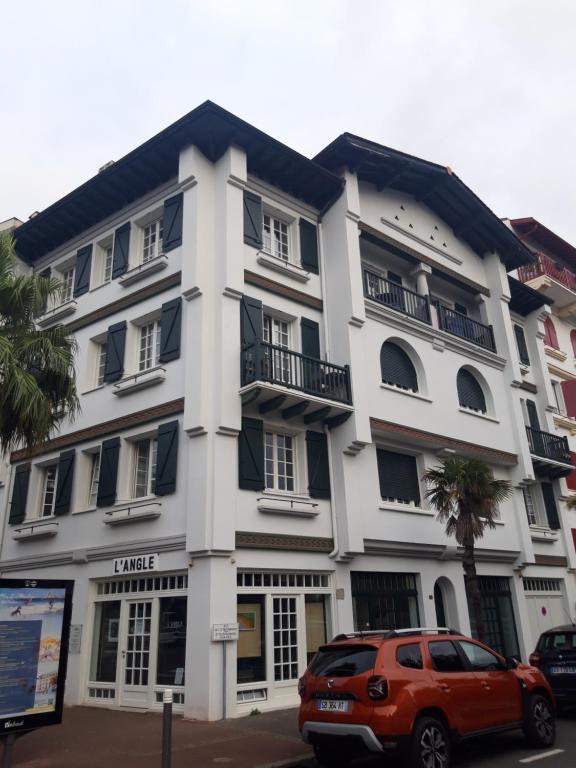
272, 349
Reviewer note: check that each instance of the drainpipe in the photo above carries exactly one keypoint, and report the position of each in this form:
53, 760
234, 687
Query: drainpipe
335, 551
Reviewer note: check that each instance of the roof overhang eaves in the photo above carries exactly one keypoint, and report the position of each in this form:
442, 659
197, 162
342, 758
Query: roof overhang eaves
524, 300
556, 245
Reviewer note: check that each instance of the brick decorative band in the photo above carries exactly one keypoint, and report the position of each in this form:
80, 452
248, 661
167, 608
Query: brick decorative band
282, 290
555, 560
246, 540
101, 430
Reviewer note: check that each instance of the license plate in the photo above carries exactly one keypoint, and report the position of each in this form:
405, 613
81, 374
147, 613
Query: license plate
324, 705
563, 670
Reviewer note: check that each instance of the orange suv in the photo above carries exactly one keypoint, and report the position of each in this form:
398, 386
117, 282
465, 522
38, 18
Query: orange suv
417, 690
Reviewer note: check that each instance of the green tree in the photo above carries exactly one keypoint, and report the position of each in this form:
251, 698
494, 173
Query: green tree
37, 381
466, 497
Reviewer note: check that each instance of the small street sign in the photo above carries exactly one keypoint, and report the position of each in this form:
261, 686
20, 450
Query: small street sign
221, 633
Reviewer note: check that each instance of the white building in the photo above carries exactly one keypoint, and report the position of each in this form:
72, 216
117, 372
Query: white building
271, 350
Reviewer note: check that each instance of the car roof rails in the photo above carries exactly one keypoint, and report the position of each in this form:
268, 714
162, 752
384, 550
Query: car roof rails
387, 634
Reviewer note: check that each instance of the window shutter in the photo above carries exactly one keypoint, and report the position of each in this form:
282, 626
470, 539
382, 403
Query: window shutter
115, 344
397, 368
310, 332
533, 419
309, 246
569, 392
166, 459
571, 479
550, 506
573, 341
172, 223
19, 494
318, 470
470, 394
252, 220
108, 472
251, 455
64, 484
550, 337
46, 274
82, 270
121, 250
521, 344
398, 476
170, 330
250, 321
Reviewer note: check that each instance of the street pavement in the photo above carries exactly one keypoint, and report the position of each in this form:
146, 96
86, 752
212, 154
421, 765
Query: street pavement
92, 738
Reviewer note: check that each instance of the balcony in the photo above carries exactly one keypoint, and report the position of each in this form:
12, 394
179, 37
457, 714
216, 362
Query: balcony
552, 278
550, 453
280, 379
463, 326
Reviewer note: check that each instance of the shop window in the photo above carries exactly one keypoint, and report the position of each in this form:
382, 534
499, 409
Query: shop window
316, 623
251, 650
384, 600
171, 641
499, 622
105, 642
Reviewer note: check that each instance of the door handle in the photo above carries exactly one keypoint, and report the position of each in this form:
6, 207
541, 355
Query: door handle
123, 654
485, 685
444, 687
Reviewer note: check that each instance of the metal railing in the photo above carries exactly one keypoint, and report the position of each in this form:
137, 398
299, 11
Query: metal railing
544, 265
396, 296
268, 362
548, 446
463, 326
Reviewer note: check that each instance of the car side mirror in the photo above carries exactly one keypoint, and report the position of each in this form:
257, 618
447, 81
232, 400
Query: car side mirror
510, 663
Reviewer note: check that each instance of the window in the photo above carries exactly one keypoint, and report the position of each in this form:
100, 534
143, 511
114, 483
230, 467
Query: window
394, 278
279, 461
107, 265
398, 476
67, 281
49, 491
397, 368
94, 479
410, 656
550, 336
445, 657
559, 398
557, 641
145, 468
347, 661
149, 346
521, 345
530, 507
153, 234
101, 364
384, 600
275, 237
461, 309
481, 659
277, 333
470, 394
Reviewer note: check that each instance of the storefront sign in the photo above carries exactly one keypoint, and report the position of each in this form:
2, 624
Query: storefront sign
135, 564
221, 633
34, 634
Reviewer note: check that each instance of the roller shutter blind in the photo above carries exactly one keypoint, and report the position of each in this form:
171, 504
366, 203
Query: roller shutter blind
397, 368
470, 394
398, 475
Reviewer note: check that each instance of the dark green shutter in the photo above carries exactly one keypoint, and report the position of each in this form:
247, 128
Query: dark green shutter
172, 223
470, 394
397, 368
252, 219
170, 330
310, 338
251, 455
308, 246
108, 472
250, 321
82, 270
19, 494
318, 470
521, 344
533, 419
64, 484
121, 250
46, 274
398, 475
550, 506
166, 459
115, 344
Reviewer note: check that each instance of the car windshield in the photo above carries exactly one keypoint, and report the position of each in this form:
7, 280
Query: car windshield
558, 641
346, 661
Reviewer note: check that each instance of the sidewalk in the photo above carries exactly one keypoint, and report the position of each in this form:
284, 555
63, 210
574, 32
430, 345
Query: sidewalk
92, 738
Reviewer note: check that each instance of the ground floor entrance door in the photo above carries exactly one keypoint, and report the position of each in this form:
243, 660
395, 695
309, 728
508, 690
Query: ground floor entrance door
137, 631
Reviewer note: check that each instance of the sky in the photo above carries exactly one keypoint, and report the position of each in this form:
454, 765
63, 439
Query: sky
484, 86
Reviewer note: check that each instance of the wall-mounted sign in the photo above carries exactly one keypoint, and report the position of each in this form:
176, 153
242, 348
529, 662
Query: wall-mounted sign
34, 632
75, 643
135, 564
221, 633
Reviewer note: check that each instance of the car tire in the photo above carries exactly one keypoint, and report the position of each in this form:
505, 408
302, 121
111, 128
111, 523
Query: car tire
332, 757
540, 723
430, 745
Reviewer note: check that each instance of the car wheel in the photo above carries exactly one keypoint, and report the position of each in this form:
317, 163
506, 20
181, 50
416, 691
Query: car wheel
430, 745
332, 757
540, 724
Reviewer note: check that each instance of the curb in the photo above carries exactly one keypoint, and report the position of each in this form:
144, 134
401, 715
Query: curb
293, 762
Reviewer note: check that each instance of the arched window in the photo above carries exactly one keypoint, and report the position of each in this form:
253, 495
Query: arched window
397, 368
470, 394
573, 340
550, 337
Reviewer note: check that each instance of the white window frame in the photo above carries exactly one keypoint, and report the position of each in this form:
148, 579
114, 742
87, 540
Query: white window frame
49, 484
150, 467
272, 332
152, 231
101, 352
558, 397
540, 519
271, 244
67, 280
149, 338
278, 441
94, 479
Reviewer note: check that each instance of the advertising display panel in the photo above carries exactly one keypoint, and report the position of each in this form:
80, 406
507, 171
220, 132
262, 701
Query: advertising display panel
34, 631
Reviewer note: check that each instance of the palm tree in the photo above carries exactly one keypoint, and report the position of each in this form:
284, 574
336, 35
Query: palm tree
37, 383
571, 501
466, 497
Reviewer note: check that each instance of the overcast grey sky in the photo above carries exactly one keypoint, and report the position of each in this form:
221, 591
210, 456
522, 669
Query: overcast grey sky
485, 86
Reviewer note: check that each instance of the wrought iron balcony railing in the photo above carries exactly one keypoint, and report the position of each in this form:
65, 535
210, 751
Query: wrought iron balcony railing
463, 326
545, 445
276, 365
544, 265
396, 296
